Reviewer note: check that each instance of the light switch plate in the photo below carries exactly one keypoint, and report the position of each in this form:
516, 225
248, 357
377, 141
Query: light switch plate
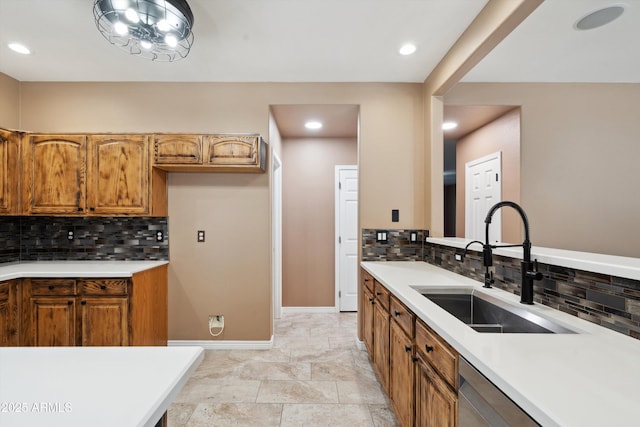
200, 236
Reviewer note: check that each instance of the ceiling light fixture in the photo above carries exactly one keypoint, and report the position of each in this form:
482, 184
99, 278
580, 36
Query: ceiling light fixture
407, 49
159, 30
313, 125
600, 17
19, 48
449, 125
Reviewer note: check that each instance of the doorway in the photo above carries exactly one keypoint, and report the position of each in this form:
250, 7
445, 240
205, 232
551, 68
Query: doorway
346, 237
483, 189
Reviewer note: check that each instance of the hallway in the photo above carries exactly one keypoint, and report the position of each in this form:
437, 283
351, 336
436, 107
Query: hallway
314, 376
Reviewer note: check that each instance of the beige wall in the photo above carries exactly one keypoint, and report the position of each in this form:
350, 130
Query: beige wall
391, 176
308, 217
9, 102
579, 153
502, 135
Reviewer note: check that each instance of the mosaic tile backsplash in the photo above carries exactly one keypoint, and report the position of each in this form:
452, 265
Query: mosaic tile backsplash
609, 301
398, 246
40, 238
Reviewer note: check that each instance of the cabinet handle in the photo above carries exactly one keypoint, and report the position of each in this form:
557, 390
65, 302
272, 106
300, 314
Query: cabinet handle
103, 287
414, 359
407, 348
79, 209
83, 302
397, 313
92, 209
51, 287
428, 348
69, 302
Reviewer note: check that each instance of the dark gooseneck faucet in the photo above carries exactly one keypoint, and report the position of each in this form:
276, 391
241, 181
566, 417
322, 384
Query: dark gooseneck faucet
528, 272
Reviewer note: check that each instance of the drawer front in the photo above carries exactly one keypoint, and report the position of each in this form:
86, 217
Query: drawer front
402, 315
382, 295
103, 287
53, 287
438, 353
367, 279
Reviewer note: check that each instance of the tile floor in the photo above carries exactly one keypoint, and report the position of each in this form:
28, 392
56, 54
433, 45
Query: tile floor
313, 376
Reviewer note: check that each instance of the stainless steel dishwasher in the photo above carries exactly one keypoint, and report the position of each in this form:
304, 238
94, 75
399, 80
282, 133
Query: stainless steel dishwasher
481, 404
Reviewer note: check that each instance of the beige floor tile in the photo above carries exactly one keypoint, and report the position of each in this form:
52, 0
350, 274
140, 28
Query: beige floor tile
328, 355
326, 415
383, 416
273, 355
360, 392
275, 371
236, 414
341, 372
221, 390
345, 343
179, 413
299, 342
298, 392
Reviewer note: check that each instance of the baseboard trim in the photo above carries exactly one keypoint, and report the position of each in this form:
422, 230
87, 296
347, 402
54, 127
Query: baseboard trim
288, 310
360, 344
224, 345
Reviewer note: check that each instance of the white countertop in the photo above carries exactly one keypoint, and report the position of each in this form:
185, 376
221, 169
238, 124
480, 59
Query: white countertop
590, 378
613, 265
75, 268
91, 386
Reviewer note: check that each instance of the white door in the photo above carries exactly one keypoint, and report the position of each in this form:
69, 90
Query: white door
347, 238
483, 189
276, 237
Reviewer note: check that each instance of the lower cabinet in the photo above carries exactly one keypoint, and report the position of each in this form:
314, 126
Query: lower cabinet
417, 368
401, 374
95, 312
9, 331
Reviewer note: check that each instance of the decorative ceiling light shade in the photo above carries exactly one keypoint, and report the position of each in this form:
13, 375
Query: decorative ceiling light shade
159, 30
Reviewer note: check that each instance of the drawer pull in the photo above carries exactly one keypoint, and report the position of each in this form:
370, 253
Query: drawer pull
51, 287
414, 359
429, 348
103, 287
397, 313
378, 293
407, 348
69, 302
83, 302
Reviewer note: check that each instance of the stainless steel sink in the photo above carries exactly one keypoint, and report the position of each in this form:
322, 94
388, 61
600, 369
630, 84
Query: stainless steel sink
485, 313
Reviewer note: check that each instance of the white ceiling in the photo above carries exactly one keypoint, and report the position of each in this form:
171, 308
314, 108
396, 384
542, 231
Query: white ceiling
243, 41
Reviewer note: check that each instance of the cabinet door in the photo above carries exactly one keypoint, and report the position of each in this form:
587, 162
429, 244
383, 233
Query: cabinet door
53, 321
53, 174
367, 320
118, 174
8, 313
401, 375
381, 344
104, 321
233, 151
436, 402
9, 158
177, 149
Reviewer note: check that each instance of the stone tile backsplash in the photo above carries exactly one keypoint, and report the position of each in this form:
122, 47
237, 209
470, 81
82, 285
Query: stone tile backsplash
398, 246
609, 301
40, 238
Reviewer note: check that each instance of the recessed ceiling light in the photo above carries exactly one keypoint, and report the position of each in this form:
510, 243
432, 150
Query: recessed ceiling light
599, 17
313, 125
20, 48
407, 49
449, 125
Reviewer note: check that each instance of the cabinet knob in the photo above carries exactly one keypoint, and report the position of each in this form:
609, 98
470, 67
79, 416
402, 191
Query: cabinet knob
79, 209
103, 287
397, 313
378, 293
92, 209
69, 302
83, 302
407, 348
51, 287
429, 348
414, 359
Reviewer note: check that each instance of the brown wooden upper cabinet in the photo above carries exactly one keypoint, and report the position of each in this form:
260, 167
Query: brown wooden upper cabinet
76, 174
213, 153
118, 174
9, 160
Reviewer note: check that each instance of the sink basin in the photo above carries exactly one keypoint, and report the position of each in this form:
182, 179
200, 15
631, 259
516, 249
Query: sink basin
485, 313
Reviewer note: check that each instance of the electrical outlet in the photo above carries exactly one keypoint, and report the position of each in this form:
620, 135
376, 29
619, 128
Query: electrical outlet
159, 236
459, 257
216, 321
70, 235
200, 235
